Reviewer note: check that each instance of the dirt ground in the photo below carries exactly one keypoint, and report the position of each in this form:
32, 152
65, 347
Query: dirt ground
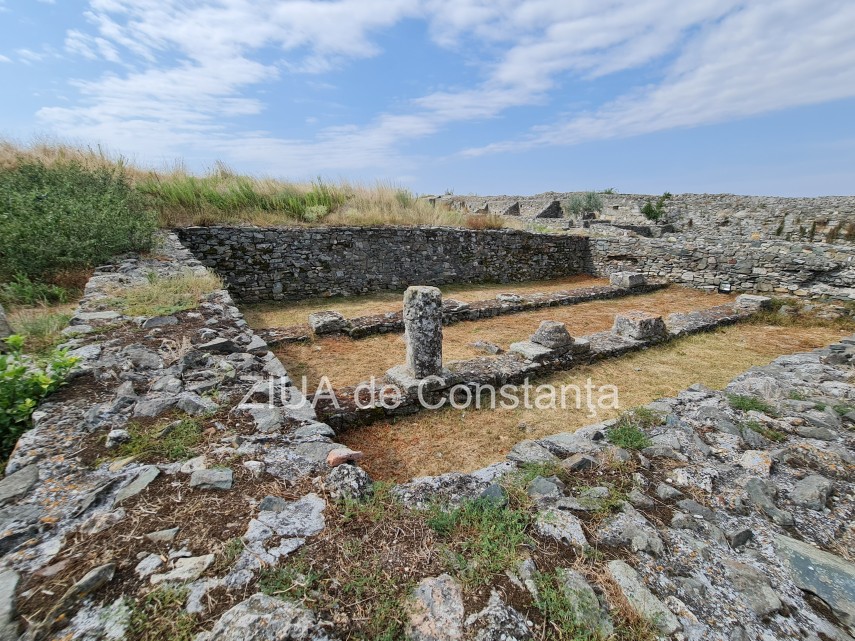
449, 440
266, 315
347, 362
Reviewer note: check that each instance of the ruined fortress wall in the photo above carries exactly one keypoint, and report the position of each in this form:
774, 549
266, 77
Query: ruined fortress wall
289, 263
803, 269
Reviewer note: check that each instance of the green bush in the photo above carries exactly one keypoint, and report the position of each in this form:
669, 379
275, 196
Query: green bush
24, 381
23, 291
656, 211
586, 203
65, 216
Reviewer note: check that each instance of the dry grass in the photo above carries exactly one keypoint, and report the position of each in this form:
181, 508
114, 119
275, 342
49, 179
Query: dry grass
223, 196
347, 362
447, 440
265, 315
162, 296
41, 325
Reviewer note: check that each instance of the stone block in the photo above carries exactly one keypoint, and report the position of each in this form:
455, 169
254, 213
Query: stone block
753, 302
640, 326
626, 279
553, 335
328, 322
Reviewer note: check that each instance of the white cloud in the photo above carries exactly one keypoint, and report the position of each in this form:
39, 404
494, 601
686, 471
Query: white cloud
4, 58
188, 66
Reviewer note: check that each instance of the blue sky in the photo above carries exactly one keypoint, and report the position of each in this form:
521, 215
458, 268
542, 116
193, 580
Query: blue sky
476, 96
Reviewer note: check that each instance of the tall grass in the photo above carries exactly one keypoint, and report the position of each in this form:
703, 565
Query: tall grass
222, 196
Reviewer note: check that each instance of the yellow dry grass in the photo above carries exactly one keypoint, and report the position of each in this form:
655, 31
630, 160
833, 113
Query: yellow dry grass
448, 440
347, 362
263, 315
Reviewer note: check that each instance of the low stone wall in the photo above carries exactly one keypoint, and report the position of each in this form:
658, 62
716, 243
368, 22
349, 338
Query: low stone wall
808, 270
293, 263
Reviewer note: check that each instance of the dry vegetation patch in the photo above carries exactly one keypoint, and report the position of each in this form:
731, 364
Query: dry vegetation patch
348, 362
450, 440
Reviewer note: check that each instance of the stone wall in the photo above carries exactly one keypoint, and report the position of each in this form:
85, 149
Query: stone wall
292, 263
811, 270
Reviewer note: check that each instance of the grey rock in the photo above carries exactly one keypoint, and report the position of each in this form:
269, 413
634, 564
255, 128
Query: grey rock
140, 482
561, 526
630, 529
812, 492
828, 576
495, 494
8, 612
154, 406
148, 566
272, 504
194, 405
264, 618
531, 452
214, 479
301, 518
753, 302
588, 612
755, 588
219, 346
693, 507
626, 279
350, 482
267, 419
162, 536
665, 492
185, 569
641, 599
552, 334
498, 622
761, 494
159, 321
94, 580
639, 499
530, 351
580, 462
436, 610
487, 347
142, 357
327, 322
640, 326
540, 487
116, 438
423, 331
739, 536
19, 483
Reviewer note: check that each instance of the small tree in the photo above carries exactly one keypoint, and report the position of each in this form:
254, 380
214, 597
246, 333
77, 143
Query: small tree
580, 204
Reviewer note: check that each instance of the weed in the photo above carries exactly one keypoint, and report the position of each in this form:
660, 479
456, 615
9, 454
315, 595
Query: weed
628, 432
380, 505
842, 409
750, 403
796, 396
173, 442
483, 539
40, 327
766, 432
485, 221
561, 610
160, 615
820, 406
24, 381
163, 296
656, 211
20, 290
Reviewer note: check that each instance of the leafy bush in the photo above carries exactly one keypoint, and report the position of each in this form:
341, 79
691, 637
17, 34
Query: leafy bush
23, 291
586, 203
65, 216
24, 381
656, 211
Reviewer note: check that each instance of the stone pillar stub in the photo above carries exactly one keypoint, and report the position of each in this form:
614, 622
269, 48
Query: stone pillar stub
423, 331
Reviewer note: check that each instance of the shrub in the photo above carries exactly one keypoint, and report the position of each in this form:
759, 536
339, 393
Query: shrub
23, 291
24, 381
656, 211
587, 203
65, 216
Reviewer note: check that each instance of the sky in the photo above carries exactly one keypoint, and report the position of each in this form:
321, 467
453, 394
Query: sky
466, 96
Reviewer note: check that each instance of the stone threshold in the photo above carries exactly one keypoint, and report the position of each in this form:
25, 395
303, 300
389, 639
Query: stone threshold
514, 368
453, 312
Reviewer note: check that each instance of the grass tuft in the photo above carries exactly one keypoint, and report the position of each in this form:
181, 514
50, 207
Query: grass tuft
171, 442
750, 403
766, 432
160, 615
628, 432
163, 296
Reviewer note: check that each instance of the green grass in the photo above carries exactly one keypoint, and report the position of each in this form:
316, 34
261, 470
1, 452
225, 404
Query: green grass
41, 329
750, 403
559, 609
177, 444
766, 432
482, 539
21, 290
164, 296
160, 615
628, 432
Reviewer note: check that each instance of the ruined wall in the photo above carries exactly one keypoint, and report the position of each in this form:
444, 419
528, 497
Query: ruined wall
803, 269
289, 263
